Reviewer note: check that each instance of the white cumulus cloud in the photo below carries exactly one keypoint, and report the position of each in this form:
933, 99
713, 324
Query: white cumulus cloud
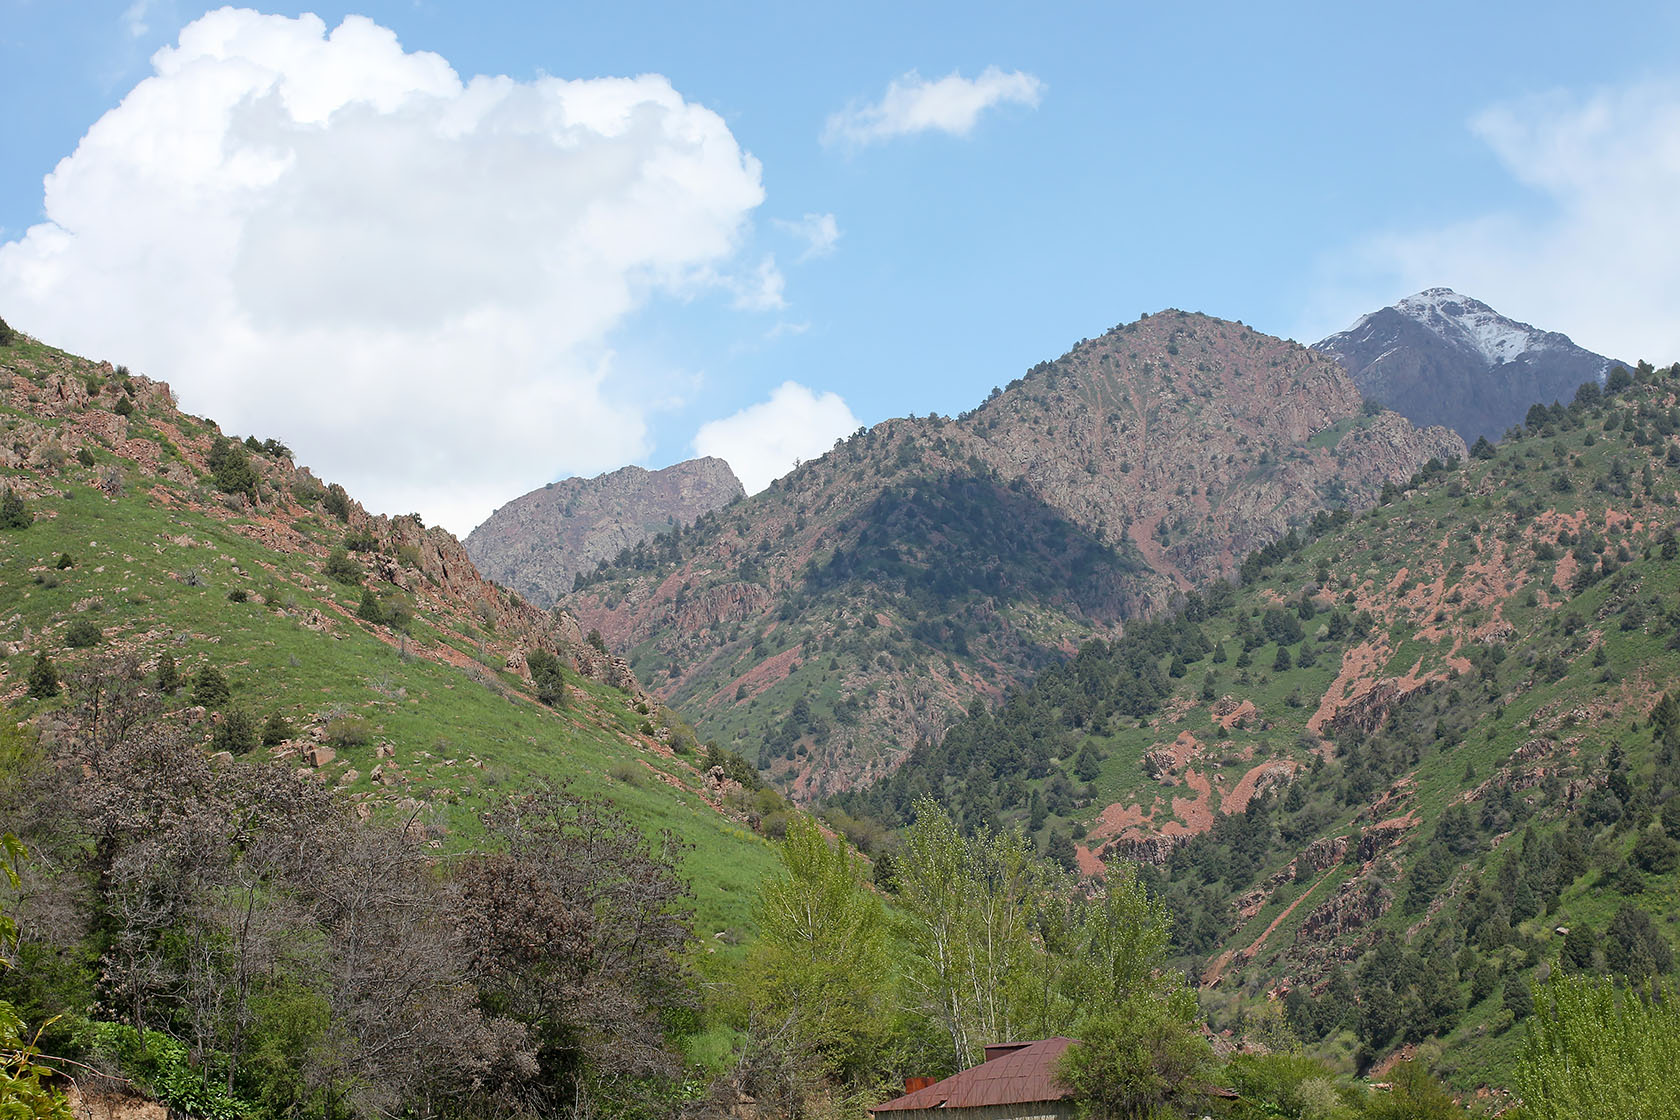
411, 278
915, 104
819, 232
764, 441
1598, 258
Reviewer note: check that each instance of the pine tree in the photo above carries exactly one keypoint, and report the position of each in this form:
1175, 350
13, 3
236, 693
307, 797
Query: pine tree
43, 677
13, 513
210, 688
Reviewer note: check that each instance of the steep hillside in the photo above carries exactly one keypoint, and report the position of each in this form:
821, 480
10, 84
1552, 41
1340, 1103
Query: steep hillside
368, 650
1441, 358
862, 602
1409, 763
539, 543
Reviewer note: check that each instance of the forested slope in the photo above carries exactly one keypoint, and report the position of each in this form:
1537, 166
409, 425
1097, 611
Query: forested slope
1407, 765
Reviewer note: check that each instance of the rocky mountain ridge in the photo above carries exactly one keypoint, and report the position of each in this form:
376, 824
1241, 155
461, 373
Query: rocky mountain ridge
862, 602
540, 542
1438, 357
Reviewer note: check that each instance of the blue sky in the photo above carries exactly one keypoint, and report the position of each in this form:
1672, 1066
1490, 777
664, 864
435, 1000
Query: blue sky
440, 316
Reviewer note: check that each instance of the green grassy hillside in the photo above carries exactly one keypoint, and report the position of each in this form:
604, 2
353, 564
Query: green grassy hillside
430, 711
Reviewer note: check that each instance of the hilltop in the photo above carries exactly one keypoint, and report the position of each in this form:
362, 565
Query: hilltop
539, 543
861, 603
1438, 357
369, 650
1402, 768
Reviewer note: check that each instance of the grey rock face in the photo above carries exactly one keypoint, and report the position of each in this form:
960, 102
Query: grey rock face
537, 544
1439, 357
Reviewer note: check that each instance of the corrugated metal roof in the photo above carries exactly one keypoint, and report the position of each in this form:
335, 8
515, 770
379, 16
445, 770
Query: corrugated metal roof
1022, 1076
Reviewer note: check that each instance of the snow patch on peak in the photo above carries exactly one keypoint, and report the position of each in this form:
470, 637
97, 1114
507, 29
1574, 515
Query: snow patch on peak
1472, 323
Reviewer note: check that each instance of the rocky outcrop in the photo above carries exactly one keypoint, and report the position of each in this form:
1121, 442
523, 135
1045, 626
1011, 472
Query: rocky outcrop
1356, 903
537, 544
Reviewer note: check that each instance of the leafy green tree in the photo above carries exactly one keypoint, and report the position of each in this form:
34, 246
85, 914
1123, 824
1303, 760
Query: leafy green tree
14, 514
43, 677
965, 905
1413, 1095
210, 688
7, 334
822, 958
1593, 1053
1141, 1060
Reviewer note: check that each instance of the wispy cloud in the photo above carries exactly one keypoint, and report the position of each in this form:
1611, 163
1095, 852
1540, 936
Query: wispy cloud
134, 18
819, 232
1599, 259
913, 104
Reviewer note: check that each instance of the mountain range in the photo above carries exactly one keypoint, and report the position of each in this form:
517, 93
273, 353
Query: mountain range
863, 601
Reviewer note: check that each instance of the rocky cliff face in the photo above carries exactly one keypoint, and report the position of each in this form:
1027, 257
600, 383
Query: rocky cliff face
537, 544
1442, 358
861, 603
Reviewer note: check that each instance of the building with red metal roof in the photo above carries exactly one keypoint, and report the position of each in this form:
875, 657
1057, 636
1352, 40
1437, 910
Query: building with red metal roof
1017, 1081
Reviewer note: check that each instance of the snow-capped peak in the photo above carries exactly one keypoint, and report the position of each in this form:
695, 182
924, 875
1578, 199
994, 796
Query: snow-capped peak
1472, 322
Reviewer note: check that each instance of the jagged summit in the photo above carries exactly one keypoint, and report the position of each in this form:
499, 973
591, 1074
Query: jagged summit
537, 543
1472, 322
1440, 357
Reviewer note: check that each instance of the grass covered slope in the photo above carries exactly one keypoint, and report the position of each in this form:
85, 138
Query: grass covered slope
387, 670
1410, 764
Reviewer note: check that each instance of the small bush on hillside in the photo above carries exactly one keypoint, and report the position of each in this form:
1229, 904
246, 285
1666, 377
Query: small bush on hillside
361, 541
125, 407
230, 466
238, 595
84, 457
43, 677
7, 334
337, 502
348, 731
341, 568
236, 733
83, 632
14, 514
277, 729
210, 688
370, 610
65, 561
168, 676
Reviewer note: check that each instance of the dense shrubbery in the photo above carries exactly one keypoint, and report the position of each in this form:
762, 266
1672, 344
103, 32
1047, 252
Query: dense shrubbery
230, 467
255, 975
